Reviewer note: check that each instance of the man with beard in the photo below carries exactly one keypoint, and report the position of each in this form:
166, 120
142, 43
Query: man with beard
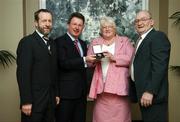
37, 72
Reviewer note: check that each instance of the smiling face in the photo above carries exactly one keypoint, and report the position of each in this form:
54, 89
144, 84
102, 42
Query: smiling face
143, 22
108, 31
44, 23
108, 28
75, 27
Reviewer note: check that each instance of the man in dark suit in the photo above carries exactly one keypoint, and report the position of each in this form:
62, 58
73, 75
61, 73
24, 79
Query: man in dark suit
149, 70
72, 61
37, 72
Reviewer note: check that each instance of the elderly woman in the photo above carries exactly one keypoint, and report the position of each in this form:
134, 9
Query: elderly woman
109, 86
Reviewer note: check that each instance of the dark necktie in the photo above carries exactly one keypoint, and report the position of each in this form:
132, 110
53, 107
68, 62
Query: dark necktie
76, 45
131, 71
136, 44
47, 43
47, 40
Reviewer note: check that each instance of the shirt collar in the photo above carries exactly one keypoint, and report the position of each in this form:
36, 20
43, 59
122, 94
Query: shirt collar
40, 34
72, 38
145, 34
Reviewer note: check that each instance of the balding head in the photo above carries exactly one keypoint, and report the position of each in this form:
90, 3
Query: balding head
144, 13
143, 22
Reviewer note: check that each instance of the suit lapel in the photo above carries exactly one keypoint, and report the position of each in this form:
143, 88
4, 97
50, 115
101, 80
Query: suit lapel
145, 40
83, 46
118, 44
40, 41
71, 45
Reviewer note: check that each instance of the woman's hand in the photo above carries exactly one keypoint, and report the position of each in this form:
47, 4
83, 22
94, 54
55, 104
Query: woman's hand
109, 55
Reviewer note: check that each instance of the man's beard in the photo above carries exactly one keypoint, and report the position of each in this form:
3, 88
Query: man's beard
41, 30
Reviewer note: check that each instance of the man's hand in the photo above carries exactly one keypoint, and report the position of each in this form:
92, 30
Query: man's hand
90, 58
26, 109
57, 100
146, 99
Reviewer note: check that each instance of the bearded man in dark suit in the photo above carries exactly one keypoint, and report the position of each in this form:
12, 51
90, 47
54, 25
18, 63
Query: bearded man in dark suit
37, 71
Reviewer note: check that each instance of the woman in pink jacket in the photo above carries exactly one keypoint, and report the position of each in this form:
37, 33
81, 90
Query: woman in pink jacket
109, 86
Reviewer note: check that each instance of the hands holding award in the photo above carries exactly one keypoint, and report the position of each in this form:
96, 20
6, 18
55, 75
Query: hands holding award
99, 53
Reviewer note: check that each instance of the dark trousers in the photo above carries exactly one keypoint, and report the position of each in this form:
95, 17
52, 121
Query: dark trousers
47, 115
155, 113
71, 110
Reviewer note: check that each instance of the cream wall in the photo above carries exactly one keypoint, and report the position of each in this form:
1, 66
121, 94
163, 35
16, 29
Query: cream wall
154, 9
31, 6
11, 31
174, 36
11, 23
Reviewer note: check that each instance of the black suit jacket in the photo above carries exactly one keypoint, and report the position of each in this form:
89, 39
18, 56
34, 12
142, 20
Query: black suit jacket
151, 66
36, 72
72, 71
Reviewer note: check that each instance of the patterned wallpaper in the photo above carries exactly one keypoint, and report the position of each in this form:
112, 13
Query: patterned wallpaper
123, 11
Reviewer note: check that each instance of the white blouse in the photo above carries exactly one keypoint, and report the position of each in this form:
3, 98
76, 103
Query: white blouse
105, 61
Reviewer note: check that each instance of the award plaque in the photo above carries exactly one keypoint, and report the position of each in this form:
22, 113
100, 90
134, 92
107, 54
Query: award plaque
98, 51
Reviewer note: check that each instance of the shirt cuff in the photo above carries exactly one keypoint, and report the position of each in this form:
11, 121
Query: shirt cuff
85, 63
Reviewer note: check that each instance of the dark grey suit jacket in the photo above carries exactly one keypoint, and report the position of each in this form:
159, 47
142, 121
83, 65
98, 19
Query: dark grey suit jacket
36, 72
151, 66
72, 72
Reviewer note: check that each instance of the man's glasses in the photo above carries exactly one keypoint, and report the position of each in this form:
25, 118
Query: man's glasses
141, 20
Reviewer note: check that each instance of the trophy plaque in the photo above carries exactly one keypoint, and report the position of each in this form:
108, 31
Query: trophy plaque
98, 51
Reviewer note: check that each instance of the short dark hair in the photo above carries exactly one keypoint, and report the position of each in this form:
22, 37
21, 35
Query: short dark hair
78, 15
36, 14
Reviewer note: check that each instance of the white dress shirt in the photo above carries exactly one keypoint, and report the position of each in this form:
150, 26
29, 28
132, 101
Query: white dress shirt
105, 61
138, 44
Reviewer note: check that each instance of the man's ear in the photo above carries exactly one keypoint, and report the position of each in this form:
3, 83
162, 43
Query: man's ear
35, 23
67, 26
83, 28
152, 22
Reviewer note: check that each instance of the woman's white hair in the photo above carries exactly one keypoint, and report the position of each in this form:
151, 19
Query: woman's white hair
107, 21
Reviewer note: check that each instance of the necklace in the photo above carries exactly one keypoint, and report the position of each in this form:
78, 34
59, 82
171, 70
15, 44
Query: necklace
109, 42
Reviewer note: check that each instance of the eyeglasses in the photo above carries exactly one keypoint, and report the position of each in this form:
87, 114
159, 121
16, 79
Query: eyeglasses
141, 20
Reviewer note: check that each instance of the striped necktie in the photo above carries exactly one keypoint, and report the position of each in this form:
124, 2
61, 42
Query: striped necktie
131, 71
47, 44
76, 45
137, 42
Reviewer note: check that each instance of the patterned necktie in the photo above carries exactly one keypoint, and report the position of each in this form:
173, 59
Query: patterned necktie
47, 43
131, 71
76, 45
137, 42
47, 40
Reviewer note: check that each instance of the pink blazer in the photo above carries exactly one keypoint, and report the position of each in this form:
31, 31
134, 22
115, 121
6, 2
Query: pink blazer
118, 72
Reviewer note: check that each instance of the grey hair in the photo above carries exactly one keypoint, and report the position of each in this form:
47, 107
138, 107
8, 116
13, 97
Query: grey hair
148, 13
107, 20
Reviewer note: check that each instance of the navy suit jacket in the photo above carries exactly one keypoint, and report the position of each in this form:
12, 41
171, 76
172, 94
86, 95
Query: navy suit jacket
36, 72
151, 66
72, 71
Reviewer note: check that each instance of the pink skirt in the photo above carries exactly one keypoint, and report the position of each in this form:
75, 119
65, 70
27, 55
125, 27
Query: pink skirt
111, 108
